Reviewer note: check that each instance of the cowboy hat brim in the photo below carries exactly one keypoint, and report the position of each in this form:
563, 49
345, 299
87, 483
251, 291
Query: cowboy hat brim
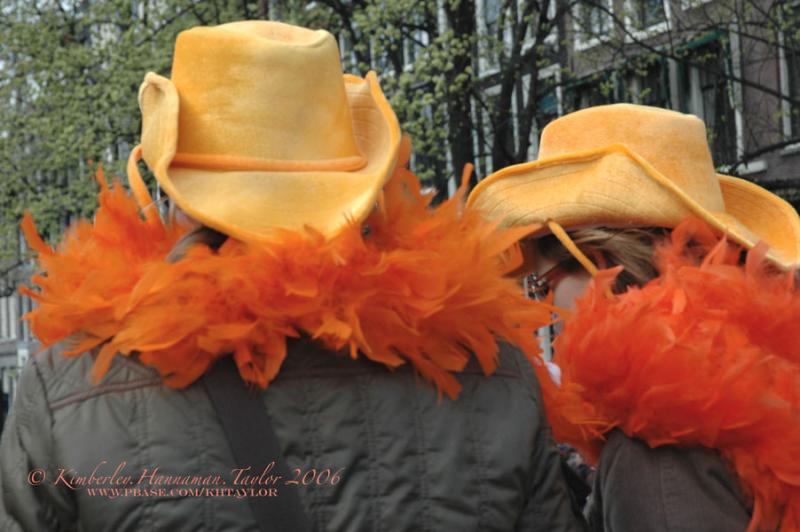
250, 204
613, 186
767, 215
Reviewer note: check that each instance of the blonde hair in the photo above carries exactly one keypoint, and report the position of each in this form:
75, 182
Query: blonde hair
631, 248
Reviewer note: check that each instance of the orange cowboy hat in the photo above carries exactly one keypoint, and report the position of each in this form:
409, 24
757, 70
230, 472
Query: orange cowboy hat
626, 165
259, 129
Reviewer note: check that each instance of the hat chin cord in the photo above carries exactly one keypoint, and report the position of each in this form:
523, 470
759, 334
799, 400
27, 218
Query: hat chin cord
139, 189
568, 243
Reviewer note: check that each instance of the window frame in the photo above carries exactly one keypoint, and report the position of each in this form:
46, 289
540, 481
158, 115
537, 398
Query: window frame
583, 43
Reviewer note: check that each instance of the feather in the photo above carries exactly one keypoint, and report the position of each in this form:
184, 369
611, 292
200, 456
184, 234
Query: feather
707, 354
424, 288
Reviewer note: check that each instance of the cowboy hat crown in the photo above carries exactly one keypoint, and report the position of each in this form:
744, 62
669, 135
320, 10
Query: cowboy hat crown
673, 143
295, 75
258, 129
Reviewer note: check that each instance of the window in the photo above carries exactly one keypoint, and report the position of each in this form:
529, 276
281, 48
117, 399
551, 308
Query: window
718, 114
548, 107
592, 21
588, 92
418, 40
491, 15
416, 45
6, 318
381, 63
654, 86
595, 19
648, 13
791, 87
546, 112
494, 129
491, 42
349, 62
486, 128
691, 4
552, 38
705, 90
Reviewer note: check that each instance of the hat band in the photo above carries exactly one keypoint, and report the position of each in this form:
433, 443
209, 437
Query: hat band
247, 164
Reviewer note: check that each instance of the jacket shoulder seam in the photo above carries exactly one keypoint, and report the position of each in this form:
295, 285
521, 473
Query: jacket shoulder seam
102, 390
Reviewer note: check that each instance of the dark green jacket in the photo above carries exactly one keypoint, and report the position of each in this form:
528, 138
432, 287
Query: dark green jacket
666, 489
405, 460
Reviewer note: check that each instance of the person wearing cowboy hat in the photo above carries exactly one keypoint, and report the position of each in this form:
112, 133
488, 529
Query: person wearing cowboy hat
679, 352
265, 367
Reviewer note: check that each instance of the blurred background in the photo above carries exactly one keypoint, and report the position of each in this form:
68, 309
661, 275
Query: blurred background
470, 80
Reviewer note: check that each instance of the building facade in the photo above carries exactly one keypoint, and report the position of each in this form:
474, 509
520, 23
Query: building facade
736, 65
733, 63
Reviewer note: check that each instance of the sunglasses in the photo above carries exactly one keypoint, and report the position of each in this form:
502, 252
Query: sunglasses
540, 286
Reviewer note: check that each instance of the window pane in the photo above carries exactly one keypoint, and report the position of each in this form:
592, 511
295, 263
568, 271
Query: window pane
547, 108
649, 13
592, 19
715, 95
655, 86
491, 11
491, 15
792, 50
588, 93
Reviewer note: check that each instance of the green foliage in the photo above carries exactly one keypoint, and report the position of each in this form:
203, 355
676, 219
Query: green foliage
384, 35
68, 102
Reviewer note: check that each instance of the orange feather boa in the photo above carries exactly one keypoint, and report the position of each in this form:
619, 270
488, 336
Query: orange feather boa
707, 354
424, 287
